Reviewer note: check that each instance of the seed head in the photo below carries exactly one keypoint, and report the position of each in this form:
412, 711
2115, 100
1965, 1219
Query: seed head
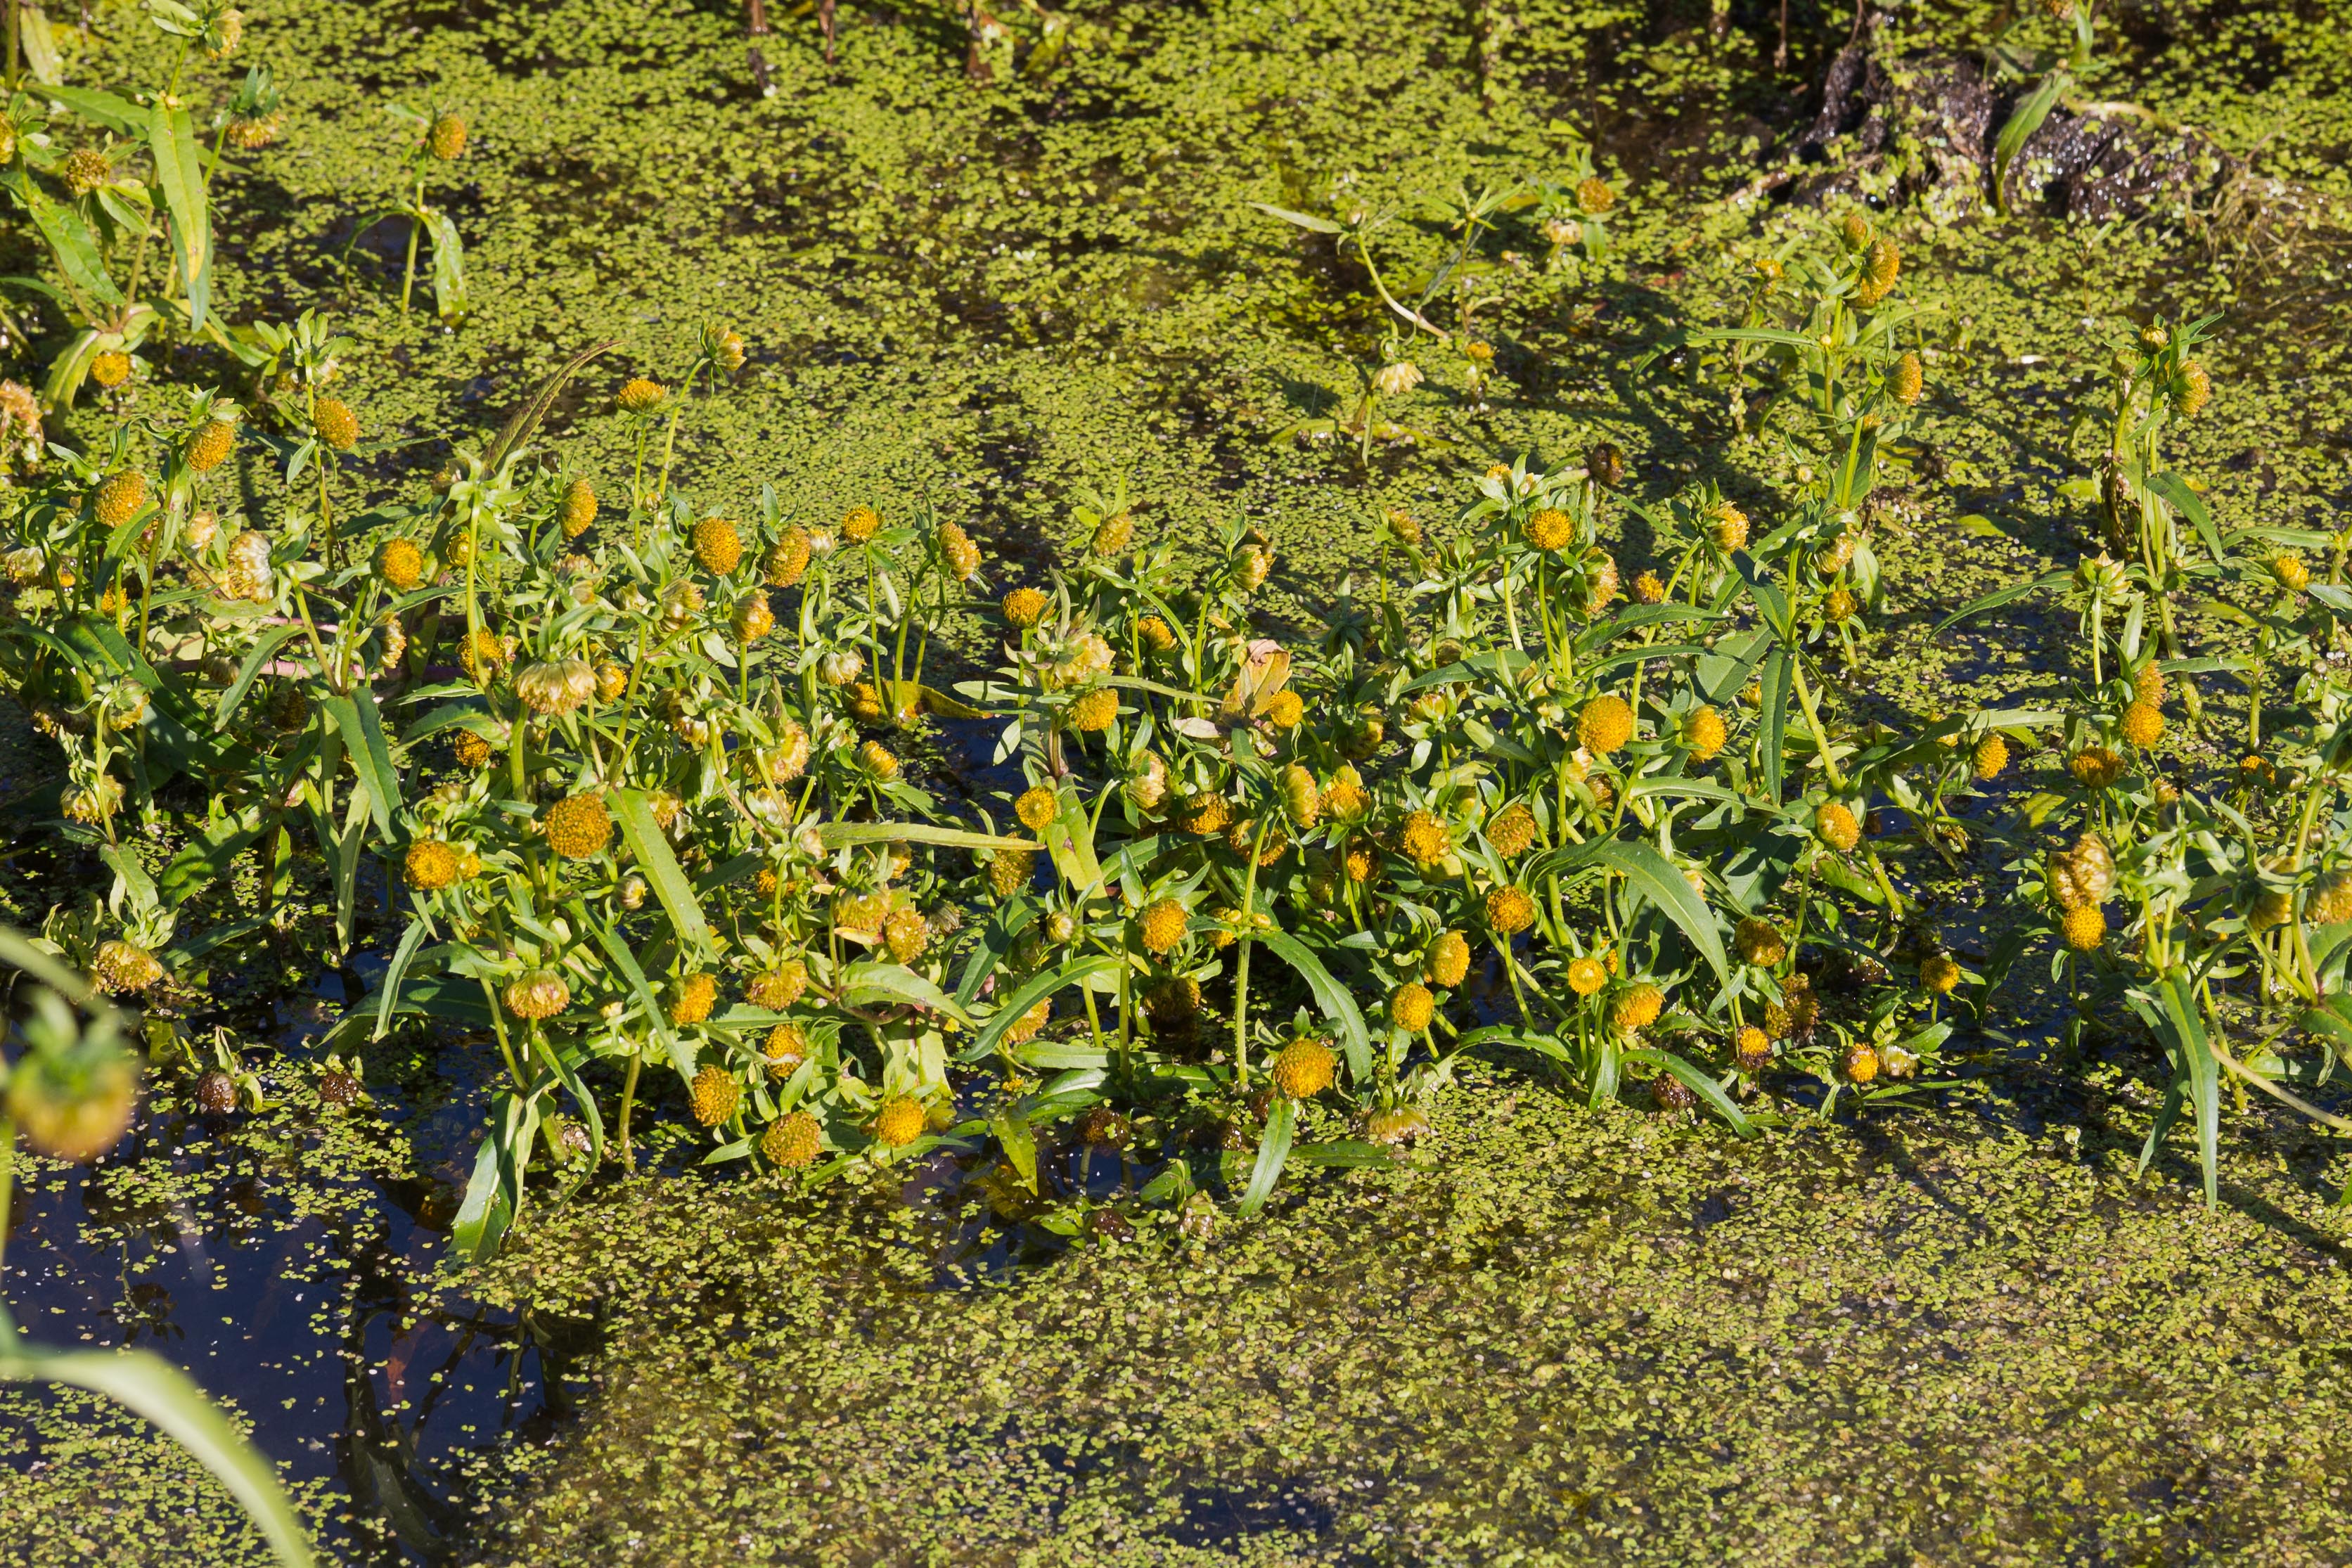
1605, 725
778, 988
1637, 1007
1206, 812
86, 169
578, 826
1512, 830
2329, 901
1510, 911
905, 934
556, 686
717, 548
1304, 1069
792, 1141
332, 421
446, 140
541, 994
1727, 528
860, 523
473, 750
1010, 871
694, 995
1836, 823
121, 498
1606, 464
1023, 607
2192, 390
788, 558
1704, 734
1162, 925
1424, 839
577, 514
1881, 264
430, 865
1991, 755
1094, 711
899, 1123
753, 618
715, 1095
211, 445
2084, 928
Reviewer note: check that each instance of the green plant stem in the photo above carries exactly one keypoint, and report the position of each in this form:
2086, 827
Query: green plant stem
7, 1122
1242, 962
628, 1104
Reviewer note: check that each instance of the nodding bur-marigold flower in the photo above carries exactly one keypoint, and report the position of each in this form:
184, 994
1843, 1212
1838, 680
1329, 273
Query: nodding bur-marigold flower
778, 988
1704, 734
401, 565
2288, 569
1548, 529
1586, 976
725, 349
1906, 380
110, 369
474, 751
1840, 604
1512, 830
753, 618
1726, 526
792, 1141
1510, 911
556, 686
2147, 683
715, 1095
1344, 796
1300, 798
641, 396
1600, 582
860, 523
1162, 925
430, 865
211, 445
877, 760
1285, 709
332, 421
1759, 941
1252, 566
1606, 464
2270, 907
1401, 527
541, 994
717, 548
1036, 807
1991, 755
1024, 1028
1855, 231
1637, 1007
1304, 1069
124, 968
1156, 633
1358, 863
1881, 265
905, 934
785, 1049
2082, 874
1605, 725
1836, 823
1396, 380
899, 1123
578, 826
577, 514
2192, 390
1594, 195
1411, 1006
1206, 812
2329, 901
2142, 725
1939, 972
788, 558
695, 996
447, 139
1111, 534
611, 681
252, 132
74, 1105
1447, 961
120, 499
1751, 1049
1424, 839
1023, 607
1094, 711
1861, 1063
1010, 871
2095, 767
2084, 928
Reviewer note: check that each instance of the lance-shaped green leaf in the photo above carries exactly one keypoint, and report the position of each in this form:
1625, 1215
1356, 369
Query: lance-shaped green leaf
268, 646
1037, 989
867, 984
1307, 221
70, 240
2023, 122
1697, 1082
1656, 879
180, 174
165, 1396
834, 835
1273, 1150
1330, 996
616, 948
643, 836
361, 728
